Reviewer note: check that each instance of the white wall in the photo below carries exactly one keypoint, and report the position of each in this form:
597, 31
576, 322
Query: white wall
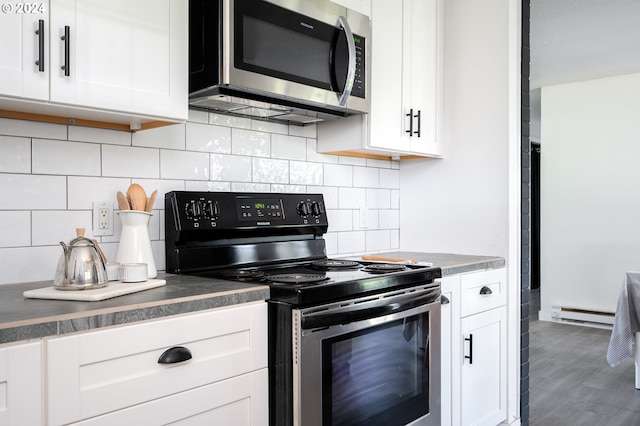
51, 173
590, 191
467, 191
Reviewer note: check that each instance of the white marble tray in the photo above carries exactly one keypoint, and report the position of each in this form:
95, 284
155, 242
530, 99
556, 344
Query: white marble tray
113, 289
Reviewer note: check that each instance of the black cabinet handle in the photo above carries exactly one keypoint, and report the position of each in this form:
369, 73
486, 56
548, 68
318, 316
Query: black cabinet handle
417, 133
40, 33
485, 290
410, 115
444, 300
470, 356
175, 355
67, 48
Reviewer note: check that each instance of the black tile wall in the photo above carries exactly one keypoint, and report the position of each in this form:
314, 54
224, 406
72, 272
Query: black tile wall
525, 277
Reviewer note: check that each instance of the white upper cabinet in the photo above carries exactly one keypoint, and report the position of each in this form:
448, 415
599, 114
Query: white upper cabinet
406, 85
24, 62
114, 57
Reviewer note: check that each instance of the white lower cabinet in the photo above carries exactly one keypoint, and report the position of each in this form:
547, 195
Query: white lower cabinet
474, 382
113, 376
21, 384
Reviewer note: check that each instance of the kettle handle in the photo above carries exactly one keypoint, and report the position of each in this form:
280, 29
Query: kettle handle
65, 249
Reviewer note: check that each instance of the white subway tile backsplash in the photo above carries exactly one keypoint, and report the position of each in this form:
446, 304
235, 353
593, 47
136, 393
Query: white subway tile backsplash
208, 186
250, 187
366, 177
338, 175
83, 191
389, 219
15, 154
127, 161
379, 198
340, 220
378, 240
313, 155
17, 263
32, 129
167, 137
288, 147
351, 242
270, 127
15, 228
268, 170
51, 227
230, 168
395, 198
249, 142
288, 188
304, 173
352, 161
229, 121
32, 192
389, 178
184, 165
352, 198
203, 137
309, 131
51, 174
65, 158
95, 135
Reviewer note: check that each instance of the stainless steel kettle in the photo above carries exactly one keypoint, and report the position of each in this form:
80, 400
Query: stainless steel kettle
81, 266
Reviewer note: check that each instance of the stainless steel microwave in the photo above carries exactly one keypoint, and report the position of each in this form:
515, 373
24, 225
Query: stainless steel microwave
294, 61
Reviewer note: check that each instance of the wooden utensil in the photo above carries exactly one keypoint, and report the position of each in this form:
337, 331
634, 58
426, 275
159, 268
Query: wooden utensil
137, 197
123, 201
151, 201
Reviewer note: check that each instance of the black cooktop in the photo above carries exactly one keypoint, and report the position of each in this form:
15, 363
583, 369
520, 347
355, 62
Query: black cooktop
326, 280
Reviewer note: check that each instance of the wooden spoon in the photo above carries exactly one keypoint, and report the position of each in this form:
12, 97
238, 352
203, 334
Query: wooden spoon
123, 201
151, 201
137, 197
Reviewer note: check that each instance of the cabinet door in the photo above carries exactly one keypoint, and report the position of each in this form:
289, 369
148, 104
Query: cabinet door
387, 82
421, 68
483, 376
125, 56
20, 46
21, 384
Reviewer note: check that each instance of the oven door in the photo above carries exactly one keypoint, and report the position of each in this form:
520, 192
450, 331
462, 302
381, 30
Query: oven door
371, 361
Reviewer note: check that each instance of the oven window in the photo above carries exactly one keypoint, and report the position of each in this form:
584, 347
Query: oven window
377, 376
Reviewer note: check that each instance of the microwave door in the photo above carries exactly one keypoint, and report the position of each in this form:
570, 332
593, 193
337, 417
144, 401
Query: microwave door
343, 61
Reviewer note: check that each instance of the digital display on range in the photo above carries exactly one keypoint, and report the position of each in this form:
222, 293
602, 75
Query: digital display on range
257, 210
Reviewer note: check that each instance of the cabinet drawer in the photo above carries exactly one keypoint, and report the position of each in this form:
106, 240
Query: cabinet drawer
20, 384
98, 372
482, 291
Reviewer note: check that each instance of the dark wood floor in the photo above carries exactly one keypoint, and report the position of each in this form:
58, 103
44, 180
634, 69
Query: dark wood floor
571, 382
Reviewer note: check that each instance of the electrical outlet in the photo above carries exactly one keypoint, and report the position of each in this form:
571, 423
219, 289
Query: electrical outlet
102, 218
364, 217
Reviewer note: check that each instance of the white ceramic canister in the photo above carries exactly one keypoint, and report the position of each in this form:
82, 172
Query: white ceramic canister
135, 243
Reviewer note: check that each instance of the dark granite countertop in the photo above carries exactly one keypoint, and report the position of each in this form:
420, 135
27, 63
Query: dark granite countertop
24, 319
450, 263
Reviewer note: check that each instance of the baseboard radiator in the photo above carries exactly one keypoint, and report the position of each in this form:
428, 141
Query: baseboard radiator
585, 317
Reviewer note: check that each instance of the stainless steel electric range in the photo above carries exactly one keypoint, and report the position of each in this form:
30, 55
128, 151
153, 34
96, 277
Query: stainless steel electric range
350, 342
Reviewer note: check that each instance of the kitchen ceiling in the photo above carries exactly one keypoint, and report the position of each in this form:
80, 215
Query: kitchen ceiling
575, 40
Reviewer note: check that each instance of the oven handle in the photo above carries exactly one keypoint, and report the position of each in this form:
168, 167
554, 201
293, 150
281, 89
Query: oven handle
395, 305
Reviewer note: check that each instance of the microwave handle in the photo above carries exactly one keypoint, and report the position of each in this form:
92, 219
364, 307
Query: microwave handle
351, 69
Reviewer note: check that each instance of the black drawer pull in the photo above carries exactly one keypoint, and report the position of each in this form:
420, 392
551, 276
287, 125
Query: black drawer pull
444, 300
485, 290
175, 355
40, 33
470, 356
67, 49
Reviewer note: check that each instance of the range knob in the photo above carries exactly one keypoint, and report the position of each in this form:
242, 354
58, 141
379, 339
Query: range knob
193, 209
316, 209
211, 210
304, 209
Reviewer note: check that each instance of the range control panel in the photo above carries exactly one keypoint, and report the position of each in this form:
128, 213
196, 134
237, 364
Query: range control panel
192, 211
